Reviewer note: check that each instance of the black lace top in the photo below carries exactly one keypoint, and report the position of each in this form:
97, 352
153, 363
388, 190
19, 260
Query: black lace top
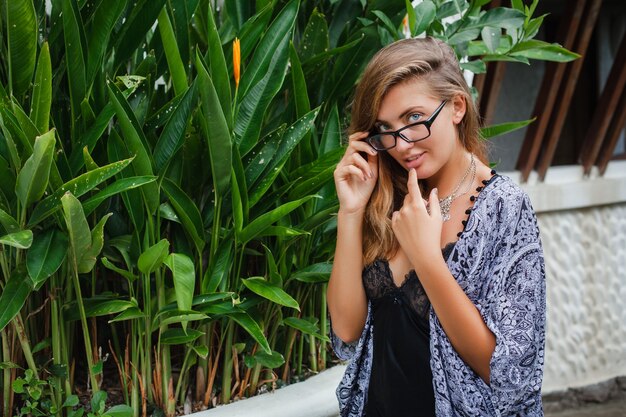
401, 383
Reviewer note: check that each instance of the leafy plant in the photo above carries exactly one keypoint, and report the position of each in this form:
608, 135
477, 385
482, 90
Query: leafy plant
165, 190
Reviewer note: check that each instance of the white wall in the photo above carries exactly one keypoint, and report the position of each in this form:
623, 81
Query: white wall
582, 223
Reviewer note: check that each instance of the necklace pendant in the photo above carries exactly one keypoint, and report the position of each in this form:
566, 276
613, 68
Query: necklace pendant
445, 204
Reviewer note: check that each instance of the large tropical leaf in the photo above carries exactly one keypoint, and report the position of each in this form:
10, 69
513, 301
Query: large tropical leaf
21, 24
42, 90
13, 296
173, 135
217, 133
78, 186
33, 177
270, 291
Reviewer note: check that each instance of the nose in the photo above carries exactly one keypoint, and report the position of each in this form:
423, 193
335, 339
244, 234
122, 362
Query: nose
402, 144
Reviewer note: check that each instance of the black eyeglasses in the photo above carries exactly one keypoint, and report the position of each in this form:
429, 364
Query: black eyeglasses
417, 131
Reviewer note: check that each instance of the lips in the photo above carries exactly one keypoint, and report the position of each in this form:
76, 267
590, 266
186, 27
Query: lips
414, 160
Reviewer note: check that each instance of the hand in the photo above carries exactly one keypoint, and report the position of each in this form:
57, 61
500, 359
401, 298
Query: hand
417, 231
355, 177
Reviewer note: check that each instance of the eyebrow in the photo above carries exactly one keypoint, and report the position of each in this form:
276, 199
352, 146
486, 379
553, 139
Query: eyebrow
407, 111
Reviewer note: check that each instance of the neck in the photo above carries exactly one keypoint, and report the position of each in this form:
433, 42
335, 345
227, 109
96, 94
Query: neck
448, 177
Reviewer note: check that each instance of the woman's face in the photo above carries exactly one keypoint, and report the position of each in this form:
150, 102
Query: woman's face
411, 102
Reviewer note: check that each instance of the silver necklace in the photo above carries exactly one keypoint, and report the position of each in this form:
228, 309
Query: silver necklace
446, 202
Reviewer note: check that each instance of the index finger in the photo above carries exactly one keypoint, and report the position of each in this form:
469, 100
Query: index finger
413, 185
357, 136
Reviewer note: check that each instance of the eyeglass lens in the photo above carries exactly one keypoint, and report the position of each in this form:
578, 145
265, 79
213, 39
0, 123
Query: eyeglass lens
387, 140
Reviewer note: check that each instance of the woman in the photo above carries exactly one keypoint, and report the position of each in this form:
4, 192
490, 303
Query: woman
431, 331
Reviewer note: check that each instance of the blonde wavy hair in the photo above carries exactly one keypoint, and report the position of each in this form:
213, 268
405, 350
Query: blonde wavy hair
427, 59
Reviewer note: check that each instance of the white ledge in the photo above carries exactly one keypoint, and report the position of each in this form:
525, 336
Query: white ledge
565, 187
314, 397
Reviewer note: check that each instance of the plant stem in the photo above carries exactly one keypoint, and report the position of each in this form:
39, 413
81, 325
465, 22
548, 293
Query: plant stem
23, 338
56, 334
6, 384
228, 363
183, 369
83, 322
323, 325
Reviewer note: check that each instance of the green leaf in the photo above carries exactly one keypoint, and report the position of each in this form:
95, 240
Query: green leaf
291, 138
164, 318
137, 25
9, 224
552, 52
172, 54
13, 296
21, 33
269, 360
90, 138
173, 135
102, 25
276, 38
425, 14
319, 272
491, 37
218, 69
305, 326
237, 206
70, 401
264, 77
123, 272
201, 351
187, 212
88, 258
136, 143
178, 336
77, 186
219, 269
253, 329
387, 23
501, 129
97, 306
46, 255
21, 240
303, 105
73, 34
130, 313
121, 410
267, 219
184, 277
42, 90
476, 66
315, 38
217, 133
152, 258
77, 227
33, 177
119, 186
260, 286
499, 17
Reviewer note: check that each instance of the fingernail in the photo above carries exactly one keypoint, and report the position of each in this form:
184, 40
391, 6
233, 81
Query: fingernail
371, 174
436, 191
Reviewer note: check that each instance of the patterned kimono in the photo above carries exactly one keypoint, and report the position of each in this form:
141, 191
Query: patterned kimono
498, 261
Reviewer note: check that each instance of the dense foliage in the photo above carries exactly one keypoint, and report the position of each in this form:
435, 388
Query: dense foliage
166, 203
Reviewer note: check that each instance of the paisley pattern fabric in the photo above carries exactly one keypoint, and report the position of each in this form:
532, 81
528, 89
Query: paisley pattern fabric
498, 261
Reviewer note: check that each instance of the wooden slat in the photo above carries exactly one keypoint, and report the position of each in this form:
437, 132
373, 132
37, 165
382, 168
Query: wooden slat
548, 92
613, 133
605, 113
567, 89
489, 97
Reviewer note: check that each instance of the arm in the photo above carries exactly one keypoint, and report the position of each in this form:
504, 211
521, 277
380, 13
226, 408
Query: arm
347, 303
355, 179
415, 228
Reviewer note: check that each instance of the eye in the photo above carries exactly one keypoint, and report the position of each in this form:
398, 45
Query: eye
382, 127
414, 117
